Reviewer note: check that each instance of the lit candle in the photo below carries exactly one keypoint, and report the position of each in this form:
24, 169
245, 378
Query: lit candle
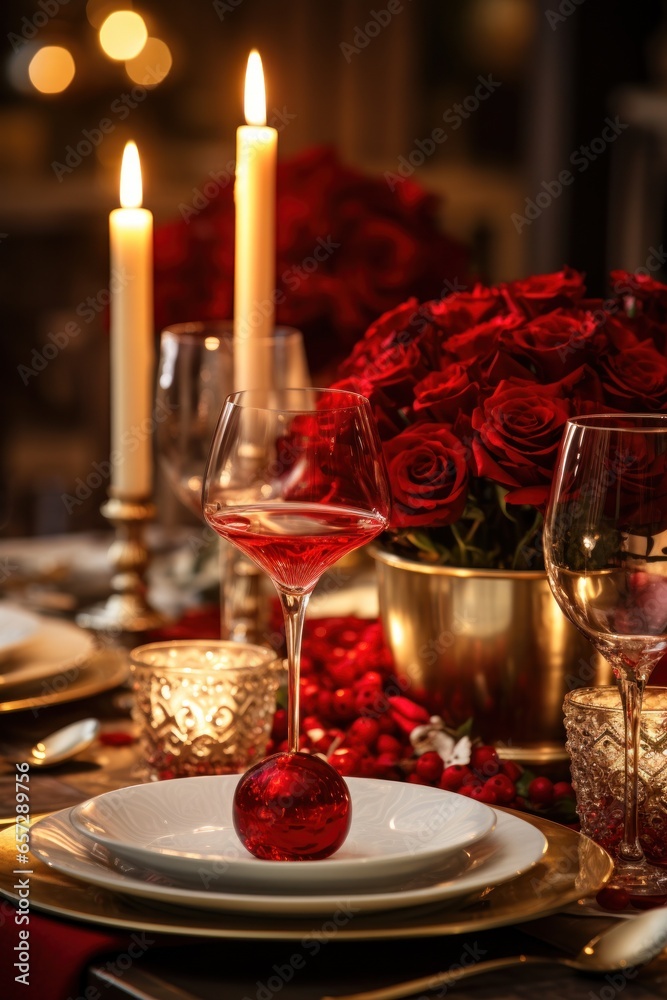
131, 236
255, 245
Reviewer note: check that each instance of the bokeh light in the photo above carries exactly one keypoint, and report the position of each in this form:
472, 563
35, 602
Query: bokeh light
97, 11
151, 65
123, 34
51, 69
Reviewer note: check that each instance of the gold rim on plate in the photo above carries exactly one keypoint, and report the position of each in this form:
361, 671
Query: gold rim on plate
104, 670
572, 868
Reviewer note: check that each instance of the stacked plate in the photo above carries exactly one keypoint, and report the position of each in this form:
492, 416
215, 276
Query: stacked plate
46, 660
174, 842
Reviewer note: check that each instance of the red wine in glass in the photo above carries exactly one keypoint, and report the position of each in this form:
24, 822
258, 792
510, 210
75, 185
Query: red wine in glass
296, 542
295, 479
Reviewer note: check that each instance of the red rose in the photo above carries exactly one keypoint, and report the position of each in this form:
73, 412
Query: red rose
636, 379
641, 293
545, 292
481, 341
462, 310
518, 433
444, 395
557, 342
348, 248
428, 475
397, 326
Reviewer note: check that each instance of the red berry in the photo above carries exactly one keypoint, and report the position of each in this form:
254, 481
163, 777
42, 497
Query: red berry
613, 899
371, 679
512, 770
366, 767
117, 739
368, 701
519, 802
342, 704
386, 760
483, 794
541, 791
309, 697
414, 779
343, 673
345, 760
452, 777
563, 790
279, 729
364, 731
485, 759
311, 722
429, 766
470, 780
388, 744
387, 724
324, 703
502, 788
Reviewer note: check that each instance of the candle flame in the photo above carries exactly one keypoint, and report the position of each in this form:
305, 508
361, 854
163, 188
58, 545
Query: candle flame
131, 191
255, 94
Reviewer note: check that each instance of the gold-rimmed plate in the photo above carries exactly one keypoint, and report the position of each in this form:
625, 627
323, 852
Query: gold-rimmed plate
104, 670
572, 867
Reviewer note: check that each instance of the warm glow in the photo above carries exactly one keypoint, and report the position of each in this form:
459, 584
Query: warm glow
254, 102
123, 34
97, 11
151, 65
130, 178
51, 69
212, 343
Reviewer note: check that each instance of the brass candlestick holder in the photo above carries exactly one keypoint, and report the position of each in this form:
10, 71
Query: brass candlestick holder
127, 608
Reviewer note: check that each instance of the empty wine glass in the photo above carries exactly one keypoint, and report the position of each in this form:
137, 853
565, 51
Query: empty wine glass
606, 556
195, 375
296, 480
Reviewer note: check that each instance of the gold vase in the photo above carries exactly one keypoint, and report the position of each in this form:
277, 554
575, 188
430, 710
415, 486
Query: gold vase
491, 645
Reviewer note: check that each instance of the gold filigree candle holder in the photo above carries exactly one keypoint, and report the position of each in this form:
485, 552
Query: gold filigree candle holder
127, 609
596, 744
203, 706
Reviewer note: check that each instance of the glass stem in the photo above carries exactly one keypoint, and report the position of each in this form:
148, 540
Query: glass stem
632, 693
294, 610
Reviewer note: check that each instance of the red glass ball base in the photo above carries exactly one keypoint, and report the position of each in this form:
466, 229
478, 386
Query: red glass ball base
292, 807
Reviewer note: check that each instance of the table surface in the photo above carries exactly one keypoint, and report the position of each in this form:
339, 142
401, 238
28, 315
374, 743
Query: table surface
294, 970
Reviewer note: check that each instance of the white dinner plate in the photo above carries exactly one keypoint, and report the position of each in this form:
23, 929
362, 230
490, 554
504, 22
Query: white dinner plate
17, 626
56, 647
512, 849
182, 826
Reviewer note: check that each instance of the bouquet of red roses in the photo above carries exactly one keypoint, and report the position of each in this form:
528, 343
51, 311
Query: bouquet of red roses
348, 248
471, 393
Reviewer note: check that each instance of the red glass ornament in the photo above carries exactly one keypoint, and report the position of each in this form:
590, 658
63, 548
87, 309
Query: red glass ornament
292, 807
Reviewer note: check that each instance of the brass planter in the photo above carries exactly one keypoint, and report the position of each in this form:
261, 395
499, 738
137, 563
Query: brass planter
491, 645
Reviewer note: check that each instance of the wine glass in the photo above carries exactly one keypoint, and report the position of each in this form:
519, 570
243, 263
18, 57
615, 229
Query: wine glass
607, 564
195, 374
295, 479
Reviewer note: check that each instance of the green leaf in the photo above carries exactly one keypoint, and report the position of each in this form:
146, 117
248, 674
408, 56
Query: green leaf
464, 730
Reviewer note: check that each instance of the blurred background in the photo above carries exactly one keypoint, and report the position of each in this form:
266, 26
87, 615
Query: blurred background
521, 90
